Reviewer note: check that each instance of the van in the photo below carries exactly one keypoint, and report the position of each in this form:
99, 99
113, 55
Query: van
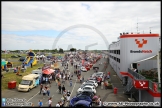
38, 72
28, 82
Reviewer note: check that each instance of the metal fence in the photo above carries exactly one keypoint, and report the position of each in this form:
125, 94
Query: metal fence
135, 74
153, 85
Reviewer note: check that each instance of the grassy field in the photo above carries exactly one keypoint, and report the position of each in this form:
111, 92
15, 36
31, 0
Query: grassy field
10, 76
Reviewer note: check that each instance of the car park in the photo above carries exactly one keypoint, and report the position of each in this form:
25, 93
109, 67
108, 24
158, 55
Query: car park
87, 88
92, 81
78, 98
14, 56
19, 55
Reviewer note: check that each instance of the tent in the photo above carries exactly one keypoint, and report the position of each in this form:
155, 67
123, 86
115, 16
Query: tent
48, 71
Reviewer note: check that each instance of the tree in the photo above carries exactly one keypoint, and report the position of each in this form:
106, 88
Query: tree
73, 49
61, 50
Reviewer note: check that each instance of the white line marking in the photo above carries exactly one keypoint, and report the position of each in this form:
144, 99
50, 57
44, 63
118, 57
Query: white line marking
32, 97
57, 90
71, 92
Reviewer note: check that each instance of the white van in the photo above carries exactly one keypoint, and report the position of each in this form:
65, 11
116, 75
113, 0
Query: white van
28, 82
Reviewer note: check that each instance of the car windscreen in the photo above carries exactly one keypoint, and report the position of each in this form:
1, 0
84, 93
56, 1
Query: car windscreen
25, 82
87, 88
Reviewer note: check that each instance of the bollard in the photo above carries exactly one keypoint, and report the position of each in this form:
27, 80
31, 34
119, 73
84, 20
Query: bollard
115, 90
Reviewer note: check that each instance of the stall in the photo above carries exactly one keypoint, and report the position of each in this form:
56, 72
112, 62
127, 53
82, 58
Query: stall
46, 72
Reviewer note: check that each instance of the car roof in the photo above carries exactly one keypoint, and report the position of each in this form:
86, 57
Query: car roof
87, 86
82, 102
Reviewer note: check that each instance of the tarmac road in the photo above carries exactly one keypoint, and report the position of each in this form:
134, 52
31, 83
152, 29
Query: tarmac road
34, 96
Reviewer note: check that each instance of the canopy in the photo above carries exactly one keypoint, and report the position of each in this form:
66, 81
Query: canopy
48, 71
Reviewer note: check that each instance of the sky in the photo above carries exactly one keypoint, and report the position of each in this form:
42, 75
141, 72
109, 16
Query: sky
82, 25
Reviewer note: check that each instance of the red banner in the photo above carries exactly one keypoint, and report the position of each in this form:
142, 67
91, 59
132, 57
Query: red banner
141, 84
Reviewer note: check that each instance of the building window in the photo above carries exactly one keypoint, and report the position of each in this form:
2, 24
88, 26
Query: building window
119, 52
119, 60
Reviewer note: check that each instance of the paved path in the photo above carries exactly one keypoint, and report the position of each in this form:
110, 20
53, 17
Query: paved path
33, 96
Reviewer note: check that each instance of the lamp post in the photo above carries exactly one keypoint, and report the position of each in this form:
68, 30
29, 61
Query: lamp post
158, 67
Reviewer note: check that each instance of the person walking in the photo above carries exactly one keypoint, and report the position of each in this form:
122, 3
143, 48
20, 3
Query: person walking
44, 92
58, 104
59, 87
46, 80
68, 95
41, 87
56, 81
102, 85
48, 91
50, 102
70, 82
63, 89
40, 103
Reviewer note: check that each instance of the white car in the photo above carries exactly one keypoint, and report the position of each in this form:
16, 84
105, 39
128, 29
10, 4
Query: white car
91, 81
83, 69
87, 88
98, 74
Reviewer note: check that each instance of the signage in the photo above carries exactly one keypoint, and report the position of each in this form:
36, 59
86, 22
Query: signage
141, 51
141, 84
140, 45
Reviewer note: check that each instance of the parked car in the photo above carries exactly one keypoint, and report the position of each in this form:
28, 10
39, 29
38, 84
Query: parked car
14, 56
22, 58
83, 69
78, 98
98, 74
87, 93
88, 83
87, 88
83, 103
92, 81
19, 55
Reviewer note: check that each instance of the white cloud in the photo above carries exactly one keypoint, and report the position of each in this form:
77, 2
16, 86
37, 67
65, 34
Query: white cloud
110, 18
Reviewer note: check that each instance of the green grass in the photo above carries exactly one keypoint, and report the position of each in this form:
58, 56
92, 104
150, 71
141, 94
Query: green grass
10, 76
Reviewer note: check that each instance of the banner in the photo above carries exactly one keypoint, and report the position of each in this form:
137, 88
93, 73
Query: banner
141, 84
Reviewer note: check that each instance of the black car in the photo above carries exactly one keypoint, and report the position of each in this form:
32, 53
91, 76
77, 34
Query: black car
87, 93
22, 59
14, 56
19, 55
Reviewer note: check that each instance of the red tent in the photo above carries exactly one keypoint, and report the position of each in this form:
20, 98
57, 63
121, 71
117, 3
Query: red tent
48, 71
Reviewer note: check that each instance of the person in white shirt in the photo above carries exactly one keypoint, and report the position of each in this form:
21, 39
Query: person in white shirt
58, 104
100, 103
50, 102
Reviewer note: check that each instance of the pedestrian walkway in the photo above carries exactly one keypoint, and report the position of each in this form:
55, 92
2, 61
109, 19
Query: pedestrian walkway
116, 82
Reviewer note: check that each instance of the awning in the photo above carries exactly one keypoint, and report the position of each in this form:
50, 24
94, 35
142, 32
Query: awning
145, 59
48, 71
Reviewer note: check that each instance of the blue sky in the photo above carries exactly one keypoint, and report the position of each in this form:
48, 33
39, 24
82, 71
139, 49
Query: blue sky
38, 24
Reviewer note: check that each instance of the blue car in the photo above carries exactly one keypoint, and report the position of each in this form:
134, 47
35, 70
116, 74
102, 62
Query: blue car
77, 98
83, 103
